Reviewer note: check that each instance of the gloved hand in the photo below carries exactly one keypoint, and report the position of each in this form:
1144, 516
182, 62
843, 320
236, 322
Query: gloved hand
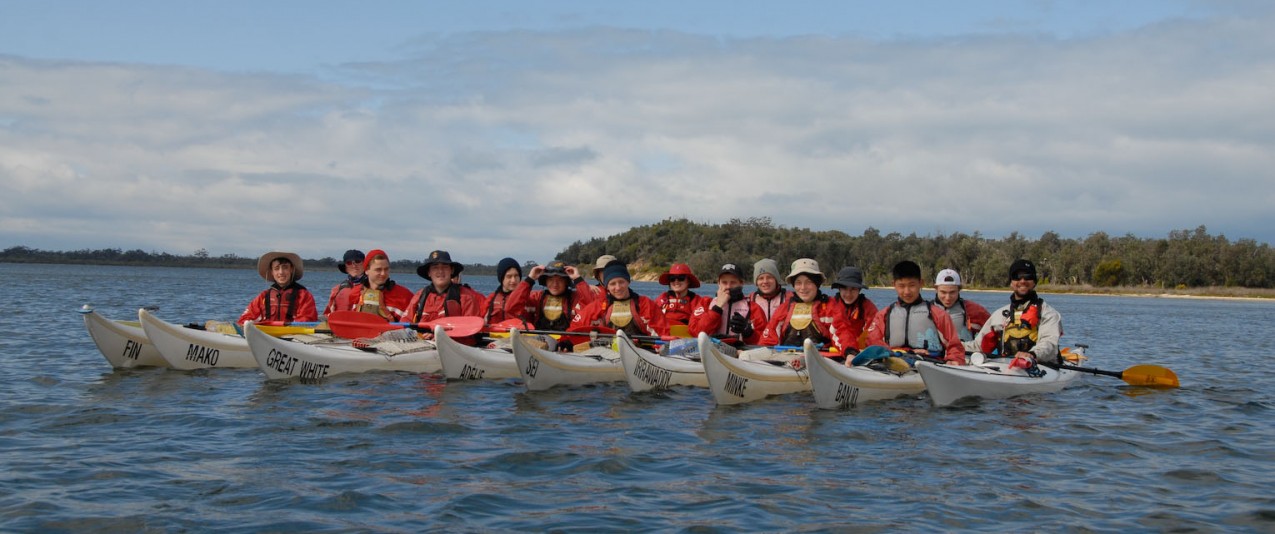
988, 344
740, 325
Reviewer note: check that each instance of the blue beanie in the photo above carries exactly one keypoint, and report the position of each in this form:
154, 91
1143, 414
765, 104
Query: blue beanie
504, 265
615, 269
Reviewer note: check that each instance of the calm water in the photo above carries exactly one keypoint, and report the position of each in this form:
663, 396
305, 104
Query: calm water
85, 448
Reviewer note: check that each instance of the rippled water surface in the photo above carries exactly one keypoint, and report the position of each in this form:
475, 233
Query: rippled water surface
85, 448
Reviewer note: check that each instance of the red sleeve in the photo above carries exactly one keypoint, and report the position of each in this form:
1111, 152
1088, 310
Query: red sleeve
839, 328
584, 292
306, 310
655, 322
407, 313
332, 300
876, 330
471, 302
953, 350
705, 318
255, 308
516, 302
977, 315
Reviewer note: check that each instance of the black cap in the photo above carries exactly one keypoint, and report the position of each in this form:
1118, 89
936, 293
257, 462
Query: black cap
1020, 266
505, 265
731, 268
351, 255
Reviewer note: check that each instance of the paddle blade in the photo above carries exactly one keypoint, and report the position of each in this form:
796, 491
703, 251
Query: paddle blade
1150, 375
355, 325
455, 326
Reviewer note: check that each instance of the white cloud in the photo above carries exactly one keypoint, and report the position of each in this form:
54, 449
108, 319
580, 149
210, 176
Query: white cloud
518, 143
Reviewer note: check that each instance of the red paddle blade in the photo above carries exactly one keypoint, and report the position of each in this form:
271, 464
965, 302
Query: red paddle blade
354, 325
455, 326
506, 325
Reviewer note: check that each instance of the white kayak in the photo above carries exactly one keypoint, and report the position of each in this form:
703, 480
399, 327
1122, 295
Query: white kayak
646, 370
735, 381
993, 379
463, 362
542, 369
187, 349
284, 359
123, 343
837, 386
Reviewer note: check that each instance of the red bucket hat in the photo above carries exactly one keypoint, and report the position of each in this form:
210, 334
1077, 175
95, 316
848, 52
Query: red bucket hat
683, 269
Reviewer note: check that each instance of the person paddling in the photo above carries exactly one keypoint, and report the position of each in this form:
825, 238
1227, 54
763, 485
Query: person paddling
1027, 329
808, 314
851, 303
442, 297
379, 294
679, 301
622, 309
729, 313
346, 293
508, 273
285, 301
770, 294
914, 324
968, 317
553, 308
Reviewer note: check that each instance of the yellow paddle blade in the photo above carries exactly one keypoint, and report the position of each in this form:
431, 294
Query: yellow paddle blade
277, 331
1150, 375
679, 330
897, 365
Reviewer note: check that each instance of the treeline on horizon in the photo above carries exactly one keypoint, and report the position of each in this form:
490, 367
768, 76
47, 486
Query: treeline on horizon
1186, 258
201, 258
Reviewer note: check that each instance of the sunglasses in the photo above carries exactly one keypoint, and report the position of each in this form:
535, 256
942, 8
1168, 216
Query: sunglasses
677, 278
1023, 276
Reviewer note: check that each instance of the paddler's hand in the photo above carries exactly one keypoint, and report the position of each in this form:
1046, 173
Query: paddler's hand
723, 297
535, 272
573, 272
1023, 360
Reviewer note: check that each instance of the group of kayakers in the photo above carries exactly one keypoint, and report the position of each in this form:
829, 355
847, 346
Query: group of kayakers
844, 322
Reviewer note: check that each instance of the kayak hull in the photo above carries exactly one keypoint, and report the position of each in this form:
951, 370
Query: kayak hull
463, 362
838, 387
187, 349
948, 384
284, 359
542, 369
646, 371
124, 345
735, 381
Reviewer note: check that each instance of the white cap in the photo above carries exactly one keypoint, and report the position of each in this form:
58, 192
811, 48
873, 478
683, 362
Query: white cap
947, 277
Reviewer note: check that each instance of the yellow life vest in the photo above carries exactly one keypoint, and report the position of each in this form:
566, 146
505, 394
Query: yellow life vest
553, 307
621, 313
370, 302
802, 315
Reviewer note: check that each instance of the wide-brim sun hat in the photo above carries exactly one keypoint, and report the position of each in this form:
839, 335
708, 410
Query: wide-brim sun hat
851, 277
438, 256
263, 265
602, 262
351, 255
683, 270
806, 266
554, 268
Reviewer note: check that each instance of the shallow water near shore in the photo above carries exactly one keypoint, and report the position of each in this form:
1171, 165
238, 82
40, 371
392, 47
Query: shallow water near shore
87, 448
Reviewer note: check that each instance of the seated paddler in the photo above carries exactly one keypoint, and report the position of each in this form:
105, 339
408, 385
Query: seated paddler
442, 296
914, 325
379, 294
564, 295
730, 313
622, 309
285, 301
808, 314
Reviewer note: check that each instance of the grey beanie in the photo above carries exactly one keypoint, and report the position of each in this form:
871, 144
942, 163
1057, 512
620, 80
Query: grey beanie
767, 266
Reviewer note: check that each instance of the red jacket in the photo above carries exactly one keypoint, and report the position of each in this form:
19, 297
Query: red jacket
528, 305
831, 325
394, 299
771, 305
858, 315
467, 303
647, 316
494, 307
679, 310
708, 318
344, 295
953, 351
293, 304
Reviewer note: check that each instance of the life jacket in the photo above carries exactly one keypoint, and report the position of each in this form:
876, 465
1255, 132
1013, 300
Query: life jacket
803, 324
555, 311
276, 296
624, 315
960, 320
496, 314
370, 300
769, 305
1022, 326
680, 307
451, 303
343, 290
742, 307
908, 329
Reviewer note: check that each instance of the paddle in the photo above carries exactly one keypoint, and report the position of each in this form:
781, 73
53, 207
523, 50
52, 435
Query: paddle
1138, 375
354, 325
500, 328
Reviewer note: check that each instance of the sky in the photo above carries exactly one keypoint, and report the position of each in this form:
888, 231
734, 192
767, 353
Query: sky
493, 129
